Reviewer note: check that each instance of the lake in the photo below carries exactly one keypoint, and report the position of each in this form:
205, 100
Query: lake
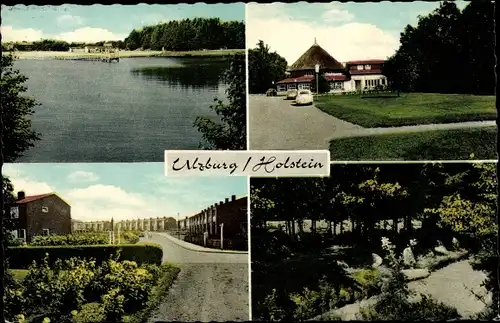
129, 111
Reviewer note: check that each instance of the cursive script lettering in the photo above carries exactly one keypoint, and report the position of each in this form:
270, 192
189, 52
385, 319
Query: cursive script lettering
201, 166
269, 164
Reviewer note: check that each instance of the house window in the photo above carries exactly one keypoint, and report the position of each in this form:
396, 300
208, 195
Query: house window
368, 67
14, 212
309, 73
304, 86
22, 234
337, 85
360, 67
383, 81
45, 232
281, 88
292, 86
45, 209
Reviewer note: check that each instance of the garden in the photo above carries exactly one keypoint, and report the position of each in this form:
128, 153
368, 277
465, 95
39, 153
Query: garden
353, 246
82, 278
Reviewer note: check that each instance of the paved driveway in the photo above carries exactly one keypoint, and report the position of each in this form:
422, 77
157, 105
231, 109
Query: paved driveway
275, 124
210, 286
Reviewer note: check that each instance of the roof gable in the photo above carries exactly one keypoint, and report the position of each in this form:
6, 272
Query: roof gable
33, 198
316, 55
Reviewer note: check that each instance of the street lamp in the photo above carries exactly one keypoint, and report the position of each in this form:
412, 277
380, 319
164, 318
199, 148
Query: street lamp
316, 68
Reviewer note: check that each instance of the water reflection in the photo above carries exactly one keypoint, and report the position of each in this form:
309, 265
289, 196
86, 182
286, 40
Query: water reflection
188, 74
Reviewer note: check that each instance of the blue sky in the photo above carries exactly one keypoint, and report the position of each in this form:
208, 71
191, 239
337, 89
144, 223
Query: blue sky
111, 21
123, 191
349, 31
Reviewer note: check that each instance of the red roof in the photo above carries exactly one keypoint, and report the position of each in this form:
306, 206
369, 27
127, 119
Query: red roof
32, 198
300, 79
361, 72
366, 61
335, 77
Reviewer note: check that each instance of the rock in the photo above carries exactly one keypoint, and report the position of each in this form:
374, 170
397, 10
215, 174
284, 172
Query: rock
408, 257
413, 274
441, 249
455, 243
377, 260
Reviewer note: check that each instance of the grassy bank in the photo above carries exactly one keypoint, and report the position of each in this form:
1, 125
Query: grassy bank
408, 109
429, 145
130, 54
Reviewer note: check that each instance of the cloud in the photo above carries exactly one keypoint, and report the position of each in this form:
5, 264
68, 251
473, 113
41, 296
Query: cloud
82, 176
348, 41
84, 34
337, 15
70, 20
24, 34
89, 35
23, 182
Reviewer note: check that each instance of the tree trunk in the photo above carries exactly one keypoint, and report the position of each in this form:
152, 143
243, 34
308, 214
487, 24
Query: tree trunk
395, 225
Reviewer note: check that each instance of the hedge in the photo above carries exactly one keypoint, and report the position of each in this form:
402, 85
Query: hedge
22, 257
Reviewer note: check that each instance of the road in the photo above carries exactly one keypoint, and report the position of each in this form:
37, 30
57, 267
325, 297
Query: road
210, 286
275, 124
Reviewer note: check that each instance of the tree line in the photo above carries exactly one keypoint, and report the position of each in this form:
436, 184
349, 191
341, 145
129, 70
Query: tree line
449, 51
54, 45
189, 34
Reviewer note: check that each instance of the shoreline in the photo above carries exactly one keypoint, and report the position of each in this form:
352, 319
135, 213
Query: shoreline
127, 54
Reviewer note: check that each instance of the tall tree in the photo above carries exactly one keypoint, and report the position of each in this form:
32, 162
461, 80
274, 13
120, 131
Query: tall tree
17, 133
230, 132
264, 68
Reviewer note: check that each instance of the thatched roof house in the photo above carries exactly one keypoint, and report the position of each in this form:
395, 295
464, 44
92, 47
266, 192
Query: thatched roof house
316, 55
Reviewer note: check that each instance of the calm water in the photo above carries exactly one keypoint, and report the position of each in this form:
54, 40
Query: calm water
129, 111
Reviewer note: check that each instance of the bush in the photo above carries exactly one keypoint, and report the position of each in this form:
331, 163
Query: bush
23, 257
77, 290
130, 237
90, 313
76, 239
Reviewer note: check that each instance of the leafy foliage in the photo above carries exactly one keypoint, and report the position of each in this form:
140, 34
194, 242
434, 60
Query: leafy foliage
189, 34
230, 132
77, 290
17, 134
430, 52
264, 68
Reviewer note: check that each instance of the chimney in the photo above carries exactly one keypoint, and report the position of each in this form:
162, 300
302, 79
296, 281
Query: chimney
21, 195
227, 200
220, 203
233, 197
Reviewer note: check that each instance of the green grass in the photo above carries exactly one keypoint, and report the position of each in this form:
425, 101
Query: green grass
429, 145
408, 109
206, 53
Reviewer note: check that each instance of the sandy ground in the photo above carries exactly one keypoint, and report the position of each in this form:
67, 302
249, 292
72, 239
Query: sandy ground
122, 54
210, 286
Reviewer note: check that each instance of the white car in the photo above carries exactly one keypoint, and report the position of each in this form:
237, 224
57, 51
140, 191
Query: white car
304, 97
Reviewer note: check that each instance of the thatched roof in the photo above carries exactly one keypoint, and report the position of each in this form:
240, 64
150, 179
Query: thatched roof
316, 54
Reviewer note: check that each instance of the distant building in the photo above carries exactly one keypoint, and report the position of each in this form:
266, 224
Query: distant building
45, 214
77, 50
78, 226
342, 77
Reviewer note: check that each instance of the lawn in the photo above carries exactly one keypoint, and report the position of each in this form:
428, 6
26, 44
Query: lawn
429, 145
408, 109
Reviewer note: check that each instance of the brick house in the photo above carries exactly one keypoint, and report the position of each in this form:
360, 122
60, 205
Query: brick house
349, 76
45, 214
230, 214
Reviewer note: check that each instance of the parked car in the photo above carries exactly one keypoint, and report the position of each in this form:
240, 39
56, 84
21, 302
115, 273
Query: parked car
291, 94
304, 97
271, 92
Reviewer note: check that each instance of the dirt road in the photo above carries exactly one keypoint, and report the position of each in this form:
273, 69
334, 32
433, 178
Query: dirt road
210, 286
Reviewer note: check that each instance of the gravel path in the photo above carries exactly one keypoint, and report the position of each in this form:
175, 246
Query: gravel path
210, 286
451, 286
275, 124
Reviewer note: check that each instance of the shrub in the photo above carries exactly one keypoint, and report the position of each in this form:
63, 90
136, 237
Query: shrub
76, 239
130, 237
90, 313
23, 257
